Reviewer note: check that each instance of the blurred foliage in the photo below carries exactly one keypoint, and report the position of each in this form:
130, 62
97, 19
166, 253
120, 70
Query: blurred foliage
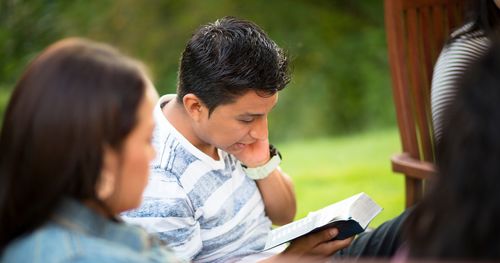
340, 78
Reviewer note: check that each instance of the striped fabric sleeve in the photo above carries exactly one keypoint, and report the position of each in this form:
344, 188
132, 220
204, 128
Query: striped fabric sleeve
167, 212
450, 67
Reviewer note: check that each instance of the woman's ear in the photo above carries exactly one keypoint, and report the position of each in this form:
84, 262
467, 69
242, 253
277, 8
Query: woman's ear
193, 106
107, 180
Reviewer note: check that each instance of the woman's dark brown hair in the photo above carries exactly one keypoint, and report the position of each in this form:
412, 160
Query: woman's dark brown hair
75, 98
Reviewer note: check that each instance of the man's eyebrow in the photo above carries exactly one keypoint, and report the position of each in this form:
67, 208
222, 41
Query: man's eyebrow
252, 114
256, 114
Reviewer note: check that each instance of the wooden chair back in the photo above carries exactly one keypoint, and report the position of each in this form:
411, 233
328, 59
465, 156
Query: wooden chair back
416, 32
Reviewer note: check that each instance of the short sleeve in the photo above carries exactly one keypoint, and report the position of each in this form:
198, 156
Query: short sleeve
167, 212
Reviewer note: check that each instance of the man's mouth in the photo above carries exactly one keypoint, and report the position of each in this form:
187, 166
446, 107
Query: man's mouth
239, 146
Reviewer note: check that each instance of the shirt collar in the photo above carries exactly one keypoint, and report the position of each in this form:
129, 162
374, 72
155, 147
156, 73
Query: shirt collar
74, 215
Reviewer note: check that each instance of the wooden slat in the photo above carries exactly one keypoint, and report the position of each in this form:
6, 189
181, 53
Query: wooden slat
428, 49
414, 191
426, 66
413, 186
440, 31
414, 66
395, 24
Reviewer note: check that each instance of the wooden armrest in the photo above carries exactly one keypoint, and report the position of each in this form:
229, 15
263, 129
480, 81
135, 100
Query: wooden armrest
405, 164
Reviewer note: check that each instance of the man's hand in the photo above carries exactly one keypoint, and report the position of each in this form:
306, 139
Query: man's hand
312, 246
319, 243
255, 154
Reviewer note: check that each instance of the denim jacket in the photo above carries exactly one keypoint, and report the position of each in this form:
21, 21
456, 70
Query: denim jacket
77, 234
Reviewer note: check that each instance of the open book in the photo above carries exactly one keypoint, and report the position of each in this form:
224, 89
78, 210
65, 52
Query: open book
351, 216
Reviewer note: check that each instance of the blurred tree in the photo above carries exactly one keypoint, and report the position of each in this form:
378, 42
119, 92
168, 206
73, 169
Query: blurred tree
25, 27
340, 80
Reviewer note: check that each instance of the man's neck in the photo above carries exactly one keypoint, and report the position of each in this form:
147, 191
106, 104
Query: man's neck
178, 117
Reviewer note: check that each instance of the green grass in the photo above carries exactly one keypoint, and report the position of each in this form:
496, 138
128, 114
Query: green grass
331, 169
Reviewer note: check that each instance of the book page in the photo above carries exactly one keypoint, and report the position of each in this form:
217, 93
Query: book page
336, 211
353, 214
364, 209
291, 231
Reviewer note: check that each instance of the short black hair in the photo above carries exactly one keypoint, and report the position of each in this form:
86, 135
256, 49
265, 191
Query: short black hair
227, 58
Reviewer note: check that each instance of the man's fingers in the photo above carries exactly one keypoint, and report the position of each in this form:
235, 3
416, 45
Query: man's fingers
325, 235
331, 247
317, 244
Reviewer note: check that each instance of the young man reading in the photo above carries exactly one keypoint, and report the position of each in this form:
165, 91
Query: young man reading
216, 187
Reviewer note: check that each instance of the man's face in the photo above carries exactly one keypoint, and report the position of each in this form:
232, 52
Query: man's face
231, 127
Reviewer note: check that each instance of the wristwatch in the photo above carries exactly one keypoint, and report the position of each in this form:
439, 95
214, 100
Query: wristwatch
261, 172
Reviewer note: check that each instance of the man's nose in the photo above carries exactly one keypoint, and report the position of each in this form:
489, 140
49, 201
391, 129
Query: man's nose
259, 130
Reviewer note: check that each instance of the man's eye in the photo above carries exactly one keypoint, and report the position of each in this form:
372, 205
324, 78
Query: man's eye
246, 120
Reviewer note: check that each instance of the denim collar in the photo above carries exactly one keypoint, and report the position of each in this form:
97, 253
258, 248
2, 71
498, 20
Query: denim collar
74, 215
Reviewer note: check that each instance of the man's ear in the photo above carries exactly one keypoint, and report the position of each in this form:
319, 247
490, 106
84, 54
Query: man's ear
194, 106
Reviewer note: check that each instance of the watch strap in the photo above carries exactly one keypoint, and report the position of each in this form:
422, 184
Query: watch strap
261, 172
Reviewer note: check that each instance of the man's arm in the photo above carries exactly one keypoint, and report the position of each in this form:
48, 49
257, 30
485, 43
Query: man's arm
279, 197
276, 189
